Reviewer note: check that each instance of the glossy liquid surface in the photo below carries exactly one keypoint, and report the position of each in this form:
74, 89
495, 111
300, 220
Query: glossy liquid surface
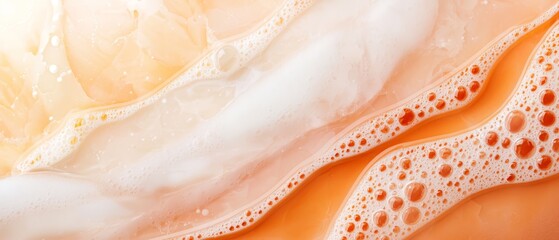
253, 119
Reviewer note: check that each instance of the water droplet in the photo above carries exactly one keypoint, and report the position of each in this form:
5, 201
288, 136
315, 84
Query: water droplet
445, 170
461, 93
505, 143
511, 177
474, 69
474, 86
406, 163
555, 146
380, 194
365, 226
402, 175
360, 236
432, 153
547, 97
440, 104
515, 121
547, 118
380, 218
406, 117
396, 203
543, 136
431, 97
350, 227
411, 215
524, 148
491, 138
415, 191
53, 69
205, 212
357, 217
55, 41
382, 168
543, 80
544, 163
446, 153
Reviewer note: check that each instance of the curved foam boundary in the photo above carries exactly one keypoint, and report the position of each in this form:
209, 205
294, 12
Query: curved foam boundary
78, 125
415, 183
445, 95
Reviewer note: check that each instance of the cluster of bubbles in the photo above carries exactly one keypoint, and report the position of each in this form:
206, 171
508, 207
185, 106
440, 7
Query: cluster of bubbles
220, 62
448, 94
413, 185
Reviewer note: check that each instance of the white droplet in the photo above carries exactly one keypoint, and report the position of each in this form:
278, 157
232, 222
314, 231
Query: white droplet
53, 68
55, 41
51, 118
164, 100
205, 212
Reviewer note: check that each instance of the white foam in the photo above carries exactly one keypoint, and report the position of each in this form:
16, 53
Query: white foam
68, 136
325, 79
318, 82
479, 159
52, 205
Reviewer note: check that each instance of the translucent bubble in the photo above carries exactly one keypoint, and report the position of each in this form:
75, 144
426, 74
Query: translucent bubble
226, 58
411, 215
415, 191
515, 121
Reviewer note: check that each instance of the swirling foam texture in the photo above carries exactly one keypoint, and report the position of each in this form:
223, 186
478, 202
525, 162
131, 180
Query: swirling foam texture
324, 80
221, 129
62, 57
415, 183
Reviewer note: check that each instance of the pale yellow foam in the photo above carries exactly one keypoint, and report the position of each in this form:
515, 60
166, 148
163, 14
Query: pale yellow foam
60, 57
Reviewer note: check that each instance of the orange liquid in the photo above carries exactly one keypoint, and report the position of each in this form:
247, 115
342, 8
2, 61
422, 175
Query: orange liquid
526, 212
309, 212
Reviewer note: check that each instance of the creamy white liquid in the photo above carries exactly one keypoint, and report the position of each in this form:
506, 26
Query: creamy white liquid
196, 144
322, 79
